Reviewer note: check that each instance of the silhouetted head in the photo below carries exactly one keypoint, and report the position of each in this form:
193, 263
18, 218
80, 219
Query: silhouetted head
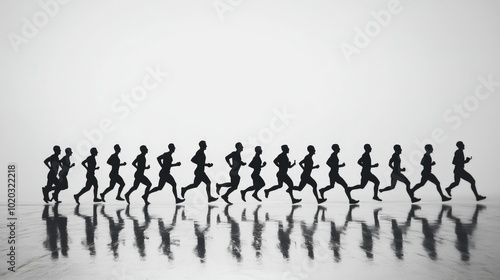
367, 148
397, 149
258, 150
57, 150
143, 149
311, 149
428, 148
460, 145
238, 147
171, 147
336, 148
68, 151
93, 151
203, 145
117, 148
285, 149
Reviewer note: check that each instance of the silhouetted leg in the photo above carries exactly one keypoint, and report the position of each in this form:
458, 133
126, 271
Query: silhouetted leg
196, 183
275, 187
424, 180
347, 190
133, 188
160, 186
329, 187
288, 181
85, 189
434, 180
467, 177
364, 181
148, 184
376, 183
207, 181
454, 183
96, 189
108, 189
392, 186
235, 181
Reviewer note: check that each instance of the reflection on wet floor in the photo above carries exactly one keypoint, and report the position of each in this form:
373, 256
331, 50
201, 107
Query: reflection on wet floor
369, 229
260, 235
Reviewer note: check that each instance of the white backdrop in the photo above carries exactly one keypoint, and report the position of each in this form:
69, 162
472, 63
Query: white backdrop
92, 73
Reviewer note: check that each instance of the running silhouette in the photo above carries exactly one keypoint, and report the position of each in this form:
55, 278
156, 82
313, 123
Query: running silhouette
114, 230
459, 161
333, 163
427, 175
283, 164
91, 165
114, 176
258, 183
57, 231
199, 173
63, 174
140, 164
166, 162
53, 164
307, 165
234, 161
366, 175
397, 175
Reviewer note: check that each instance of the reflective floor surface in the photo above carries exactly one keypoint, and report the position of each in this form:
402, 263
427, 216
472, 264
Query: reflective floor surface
245, 241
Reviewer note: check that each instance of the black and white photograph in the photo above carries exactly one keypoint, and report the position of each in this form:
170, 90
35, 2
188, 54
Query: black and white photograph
249, 139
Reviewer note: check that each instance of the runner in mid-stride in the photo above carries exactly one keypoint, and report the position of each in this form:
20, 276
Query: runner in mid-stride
91, 165
199, 173
53, 164
397, 175
234, 161
166, 162
114, 176
459, 161
333, 163
283, 164
427, 175
140, 164
366, 174
258, 182
307, 165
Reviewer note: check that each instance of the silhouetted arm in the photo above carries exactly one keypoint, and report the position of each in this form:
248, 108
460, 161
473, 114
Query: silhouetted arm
391, 163
276, 161
227, 158
329, 162
134, 163
302, 164
46, 161
85, 163
360, 161
160, 160
292, 164
110, 160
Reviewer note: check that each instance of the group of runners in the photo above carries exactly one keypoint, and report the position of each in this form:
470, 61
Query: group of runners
56, 182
